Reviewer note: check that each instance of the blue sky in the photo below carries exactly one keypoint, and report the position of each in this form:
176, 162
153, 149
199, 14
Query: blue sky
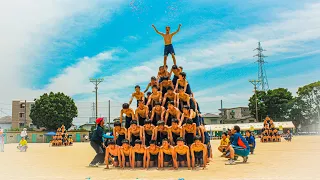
59, 46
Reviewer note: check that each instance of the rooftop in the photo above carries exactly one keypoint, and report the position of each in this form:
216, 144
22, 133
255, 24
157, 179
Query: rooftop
233, 108
211, 115
6, 120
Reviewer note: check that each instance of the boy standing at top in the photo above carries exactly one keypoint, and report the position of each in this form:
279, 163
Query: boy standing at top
168, 48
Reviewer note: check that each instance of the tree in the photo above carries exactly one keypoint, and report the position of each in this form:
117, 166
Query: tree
296, 112
309, 96
53, 110
277, 103
262, 111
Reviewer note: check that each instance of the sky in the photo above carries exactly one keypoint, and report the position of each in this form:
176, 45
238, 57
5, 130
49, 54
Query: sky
58, 45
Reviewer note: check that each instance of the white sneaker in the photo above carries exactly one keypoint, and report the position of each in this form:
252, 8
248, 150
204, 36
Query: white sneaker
230, 162
93, 165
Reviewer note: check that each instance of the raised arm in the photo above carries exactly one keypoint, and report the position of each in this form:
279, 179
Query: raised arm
154, 27
130, 101
121, 113
147, 88
176, 30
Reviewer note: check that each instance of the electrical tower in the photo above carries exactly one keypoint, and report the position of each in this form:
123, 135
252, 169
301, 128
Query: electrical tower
262, 75
93, 108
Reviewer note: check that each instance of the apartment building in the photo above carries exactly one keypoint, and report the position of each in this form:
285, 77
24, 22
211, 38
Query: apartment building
20, 113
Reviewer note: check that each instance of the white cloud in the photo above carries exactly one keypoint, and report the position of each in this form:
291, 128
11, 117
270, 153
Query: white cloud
31, 30
131, 38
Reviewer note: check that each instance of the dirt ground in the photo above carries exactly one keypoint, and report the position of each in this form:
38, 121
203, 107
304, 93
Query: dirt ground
271, 161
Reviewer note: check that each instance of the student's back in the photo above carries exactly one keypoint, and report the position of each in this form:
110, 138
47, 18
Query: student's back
97, 135
236, 137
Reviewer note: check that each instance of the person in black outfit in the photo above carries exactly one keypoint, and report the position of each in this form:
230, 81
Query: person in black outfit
96, 143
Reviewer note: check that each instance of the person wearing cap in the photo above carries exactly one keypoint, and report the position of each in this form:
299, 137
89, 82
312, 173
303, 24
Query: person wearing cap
176, 71
96, 143
152, 83
23, 145
139, 155
126, 154
129, 114
119, 133
172, 112
137, 94
113, 151
157, 113
182, 153
135, 132
24, 133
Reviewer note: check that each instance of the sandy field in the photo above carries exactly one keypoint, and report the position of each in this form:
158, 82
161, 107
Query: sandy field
296, 160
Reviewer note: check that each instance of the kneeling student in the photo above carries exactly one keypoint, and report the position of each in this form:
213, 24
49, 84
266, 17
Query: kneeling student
182, 153
198, 153
138, 154
239, 146
126, 154
113, 151
167, 154
153, 157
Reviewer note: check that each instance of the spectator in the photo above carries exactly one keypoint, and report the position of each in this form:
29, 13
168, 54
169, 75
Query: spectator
239, 146
24, 133
96, 143
224, 143
1, 140
251, 141
23, 145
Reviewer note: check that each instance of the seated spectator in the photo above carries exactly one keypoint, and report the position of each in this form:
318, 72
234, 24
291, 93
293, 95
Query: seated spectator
23, 145
239, 146
224, 143
251, 141
288, 136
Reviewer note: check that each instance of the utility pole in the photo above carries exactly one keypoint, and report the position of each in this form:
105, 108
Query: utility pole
222, 115
96, 82
109, 115
262, 75
255, 83
25, 112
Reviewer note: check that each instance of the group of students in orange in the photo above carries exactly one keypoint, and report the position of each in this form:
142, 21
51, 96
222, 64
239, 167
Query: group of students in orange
61, 138
269, 133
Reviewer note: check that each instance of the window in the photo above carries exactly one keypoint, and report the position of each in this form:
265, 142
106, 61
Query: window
21, 125
22, 105
21, 115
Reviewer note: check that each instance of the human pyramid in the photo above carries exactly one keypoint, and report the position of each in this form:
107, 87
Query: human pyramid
269, 132
166, 128
61, 138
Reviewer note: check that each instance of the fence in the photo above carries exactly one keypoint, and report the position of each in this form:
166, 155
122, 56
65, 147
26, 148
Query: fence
40, 137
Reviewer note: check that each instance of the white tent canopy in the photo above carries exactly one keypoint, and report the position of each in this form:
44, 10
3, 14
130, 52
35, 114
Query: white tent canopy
247, 126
